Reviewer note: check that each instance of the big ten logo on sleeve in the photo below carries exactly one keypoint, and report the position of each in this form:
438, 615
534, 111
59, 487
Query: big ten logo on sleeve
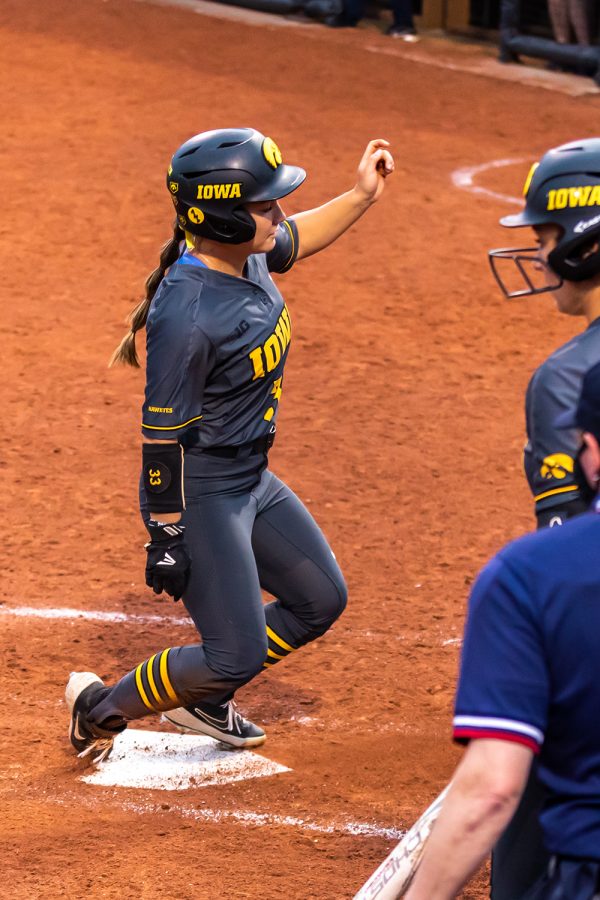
558, 465
267, 356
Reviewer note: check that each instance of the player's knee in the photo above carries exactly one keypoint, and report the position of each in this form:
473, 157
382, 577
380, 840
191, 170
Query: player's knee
241, 663
326, 603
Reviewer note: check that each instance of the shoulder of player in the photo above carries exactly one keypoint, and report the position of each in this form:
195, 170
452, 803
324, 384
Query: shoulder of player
183, 303
579, 352
564, 367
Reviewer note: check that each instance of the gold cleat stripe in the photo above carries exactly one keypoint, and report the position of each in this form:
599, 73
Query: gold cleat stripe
274, 655
151, 682
279, 641
560, 490
140, 687
164, 674
267, 665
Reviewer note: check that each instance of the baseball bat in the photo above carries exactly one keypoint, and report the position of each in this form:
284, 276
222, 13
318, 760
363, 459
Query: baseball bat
393, 877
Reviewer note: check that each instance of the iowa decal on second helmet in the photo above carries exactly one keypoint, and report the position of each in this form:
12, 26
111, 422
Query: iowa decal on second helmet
214, 174
563, 189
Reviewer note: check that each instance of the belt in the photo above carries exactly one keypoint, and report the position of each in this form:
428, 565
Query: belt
260, 445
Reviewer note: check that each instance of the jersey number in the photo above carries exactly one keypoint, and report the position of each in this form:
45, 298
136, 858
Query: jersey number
276, 392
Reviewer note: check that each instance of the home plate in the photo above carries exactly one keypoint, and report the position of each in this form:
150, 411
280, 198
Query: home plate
176, 762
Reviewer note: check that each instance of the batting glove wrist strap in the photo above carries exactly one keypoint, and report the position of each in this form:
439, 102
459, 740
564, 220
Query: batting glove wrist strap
168, 561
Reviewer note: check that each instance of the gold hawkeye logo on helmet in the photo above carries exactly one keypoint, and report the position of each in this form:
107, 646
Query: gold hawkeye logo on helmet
271, 152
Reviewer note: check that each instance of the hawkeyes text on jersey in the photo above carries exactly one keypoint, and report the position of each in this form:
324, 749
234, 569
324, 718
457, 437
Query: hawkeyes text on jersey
216, 349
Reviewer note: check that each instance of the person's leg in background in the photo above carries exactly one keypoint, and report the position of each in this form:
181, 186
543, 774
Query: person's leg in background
403, 25
579, 15
559, 19
350, 15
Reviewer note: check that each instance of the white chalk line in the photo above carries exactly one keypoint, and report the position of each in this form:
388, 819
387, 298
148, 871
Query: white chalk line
574, 85
235, 13
91, 615
241, 817
463, 179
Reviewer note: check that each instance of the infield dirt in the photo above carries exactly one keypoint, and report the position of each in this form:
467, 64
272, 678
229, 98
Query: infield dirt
401, 426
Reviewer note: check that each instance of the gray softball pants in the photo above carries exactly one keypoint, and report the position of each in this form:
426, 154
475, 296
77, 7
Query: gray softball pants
240, 541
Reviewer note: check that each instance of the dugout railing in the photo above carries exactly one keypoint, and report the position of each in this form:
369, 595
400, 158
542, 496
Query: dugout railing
525, 30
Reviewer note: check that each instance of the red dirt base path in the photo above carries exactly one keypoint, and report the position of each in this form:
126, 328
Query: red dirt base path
401, 427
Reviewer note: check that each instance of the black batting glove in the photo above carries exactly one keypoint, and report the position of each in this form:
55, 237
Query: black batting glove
168, 563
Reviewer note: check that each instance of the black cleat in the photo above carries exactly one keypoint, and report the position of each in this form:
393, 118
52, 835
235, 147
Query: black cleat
87, 738
222, 722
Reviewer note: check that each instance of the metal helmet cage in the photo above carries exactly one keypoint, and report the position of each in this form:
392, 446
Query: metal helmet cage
563, 189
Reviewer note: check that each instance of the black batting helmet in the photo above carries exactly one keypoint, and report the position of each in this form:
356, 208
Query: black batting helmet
562, 189
215, 173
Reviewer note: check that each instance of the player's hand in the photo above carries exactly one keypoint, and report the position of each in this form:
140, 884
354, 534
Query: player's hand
375, 166
168, 562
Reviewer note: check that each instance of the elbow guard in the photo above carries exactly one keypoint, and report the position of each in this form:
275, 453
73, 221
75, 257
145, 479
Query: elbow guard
162, 473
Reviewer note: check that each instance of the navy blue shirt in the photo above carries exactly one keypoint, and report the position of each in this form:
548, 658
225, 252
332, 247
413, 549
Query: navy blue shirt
554, 387
530, 670
216, 349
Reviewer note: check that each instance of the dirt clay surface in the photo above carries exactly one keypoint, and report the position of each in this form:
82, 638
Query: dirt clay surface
401, 428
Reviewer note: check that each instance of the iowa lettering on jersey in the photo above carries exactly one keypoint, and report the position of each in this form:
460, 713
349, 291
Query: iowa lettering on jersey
267, 357
219, 191
585, 195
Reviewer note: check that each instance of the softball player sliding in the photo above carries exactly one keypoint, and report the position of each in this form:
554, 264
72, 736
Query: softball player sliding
563, 208
221, 525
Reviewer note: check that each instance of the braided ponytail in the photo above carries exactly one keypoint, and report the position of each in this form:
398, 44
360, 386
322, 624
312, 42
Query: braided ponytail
169, 254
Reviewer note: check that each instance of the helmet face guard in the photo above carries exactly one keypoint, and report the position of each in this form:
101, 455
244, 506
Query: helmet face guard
528, 270
214, 174
563, 189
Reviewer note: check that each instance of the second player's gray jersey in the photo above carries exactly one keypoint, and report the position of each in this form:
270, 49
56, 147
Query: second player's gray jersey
550, 453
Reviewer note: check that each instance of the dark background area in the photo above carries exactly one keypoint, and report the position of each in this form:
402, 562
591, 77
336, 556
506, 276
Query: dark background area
534, 16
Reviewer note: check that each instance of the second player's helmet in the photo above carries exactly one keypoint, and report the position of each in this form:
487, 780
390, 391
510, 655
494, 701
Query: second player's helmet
563, 189
214, 174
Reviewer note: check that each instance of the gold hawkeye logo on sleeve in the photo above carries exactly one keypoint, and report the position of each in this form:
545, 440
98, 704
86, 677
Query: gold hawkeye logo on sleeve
558, 465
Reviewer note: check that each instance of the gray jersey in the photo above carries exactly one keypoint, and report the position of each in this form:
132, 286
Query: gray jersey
550, 453
216, 349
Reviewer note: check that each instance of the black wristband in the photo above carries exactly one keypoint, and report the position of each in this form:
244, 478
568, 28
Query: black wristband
162, 473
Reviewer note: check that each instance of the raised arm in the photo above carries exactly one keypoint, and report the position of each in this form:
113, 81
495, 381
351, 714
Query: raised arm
319, 227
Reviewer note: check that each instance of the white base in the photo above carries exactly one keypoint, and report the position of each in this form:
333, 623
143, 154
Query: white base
176, 762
